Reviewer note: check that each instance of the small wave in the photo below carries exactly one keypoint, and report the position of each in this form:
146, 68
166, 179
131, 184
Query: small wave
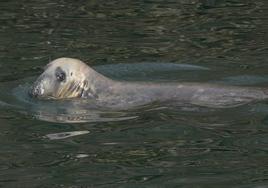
63, 135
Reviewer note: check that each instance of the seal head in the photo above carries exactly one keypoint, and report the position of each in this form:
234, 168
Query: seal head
62, 78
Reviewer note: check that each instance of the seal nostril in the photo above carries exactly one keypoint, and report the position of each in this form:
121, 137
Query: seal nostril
34, 92
31, 93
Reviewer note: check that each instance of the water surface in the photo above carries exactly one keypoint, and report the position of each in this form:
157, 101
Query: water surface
45, 144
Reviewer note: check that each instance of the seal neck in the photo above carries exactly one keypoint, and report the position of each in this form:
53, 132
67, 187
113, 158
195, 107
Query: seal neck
96, 84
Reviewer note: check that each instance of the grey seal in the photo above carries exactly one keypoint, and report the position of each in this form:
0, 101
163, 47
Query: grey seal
66, 78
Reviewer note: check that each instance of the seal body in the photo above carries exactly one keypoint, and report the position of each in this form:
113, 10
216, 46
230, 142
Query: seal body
66, 78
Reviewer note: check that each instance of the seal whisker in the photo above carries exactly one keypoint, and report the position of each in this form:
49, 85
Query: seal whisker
72, 89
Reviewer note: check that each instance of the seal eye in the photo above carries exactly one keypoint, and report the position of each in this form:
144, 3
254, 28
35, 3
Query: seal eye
60, 75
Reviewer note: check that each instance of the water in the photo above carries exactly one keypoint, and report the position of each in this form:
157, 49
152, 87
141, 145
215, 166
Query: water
45, 144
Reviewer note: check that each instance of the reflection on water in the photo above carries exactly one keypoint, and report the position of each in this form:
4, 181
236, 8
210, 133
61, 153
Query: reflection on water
154, 146
63, 135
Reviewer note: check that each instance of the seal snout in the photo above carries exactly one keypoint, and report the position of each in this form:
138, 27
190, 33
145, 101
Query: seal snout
35, 91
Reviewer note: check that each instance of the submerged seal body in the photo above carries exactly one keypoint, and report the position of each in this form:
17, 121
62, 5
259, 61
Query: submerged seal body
66, 78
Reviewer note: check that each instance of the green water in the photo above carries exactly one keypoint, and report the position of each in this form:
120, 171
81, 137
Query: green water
45, 145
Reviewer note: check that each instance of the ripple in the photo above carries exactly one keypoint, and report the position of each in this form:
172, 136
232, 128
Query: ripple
81, 155
63, 135
63, 111
245, 80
